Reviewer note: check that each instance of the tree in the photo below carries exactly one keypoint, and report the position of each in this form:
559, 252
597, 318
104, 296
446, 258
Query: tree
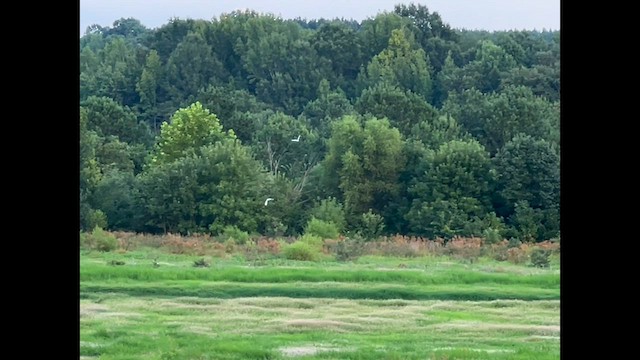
452, 192
375, 32
403, 108
528, 169
192, 66
190, 129
494, 119
364, 163
148, 85
236, 109
274, 146
327, 107
434, 36
106, 117
283, 67
401, 66
340, 45
115, 75
220, 185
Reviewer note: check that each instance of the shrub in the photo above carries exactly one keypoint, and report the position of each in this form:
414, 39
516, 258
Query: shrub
103, 241
499, 251
229, 246
349, 249
96, 218
178, 245
299, 251
268, 246
321, 228
233, 232
371, 225
315, 242
540, 258
465, 248
399, 245
330, 210
518, 255
491, 236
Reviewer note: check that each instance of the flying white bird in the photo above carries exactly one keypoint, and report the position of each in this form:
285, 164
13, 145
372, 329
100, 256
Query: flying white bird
266, 202
296, 140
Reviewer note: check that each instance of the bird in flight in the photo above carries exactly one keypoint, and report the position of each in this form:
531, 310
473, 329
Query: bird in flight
266, 202
296, 140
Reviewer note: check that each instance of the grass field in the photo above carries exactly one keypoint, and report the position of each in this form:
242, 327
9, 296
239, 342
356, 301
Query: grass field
373, 308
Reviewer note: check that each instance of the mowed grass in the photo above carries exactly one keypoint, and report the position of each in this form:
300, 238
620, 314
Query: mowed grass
421, 308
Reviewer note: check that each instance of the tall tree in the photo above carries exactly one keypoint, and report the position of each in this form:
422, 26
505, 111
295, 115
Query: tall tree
528, 169
192, 66
190, 128
364, 163
403, 108
453, 192
400, 65
221, 185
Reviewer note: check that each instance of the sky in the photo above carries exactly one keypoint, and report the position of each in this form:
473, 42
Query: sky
488, 15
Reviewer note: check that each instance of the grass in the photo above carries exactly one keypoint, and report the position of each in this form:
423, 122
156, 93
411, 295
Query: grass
429, 308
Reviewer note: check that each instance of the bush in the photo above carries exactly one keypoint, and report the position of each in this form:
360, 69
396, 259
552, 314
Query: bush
177, 244
300, 251
371, 225
518, 255
465, 248
102, 240
233, 232
330, 210
321, 228
349, 249
96, 218
315, 242
491, 236
540, 258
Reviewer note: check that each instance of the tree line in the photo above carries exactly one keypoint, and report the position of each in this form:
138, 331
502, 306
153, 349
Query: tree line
396, 124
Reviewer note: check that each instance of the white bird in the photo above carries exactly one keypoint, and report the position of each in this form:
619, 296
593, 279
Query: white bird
266, 202
296, 140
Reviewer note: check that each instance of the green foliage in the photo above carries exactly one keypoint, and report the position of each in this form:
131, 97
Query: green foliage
314, 241
399, 65
453, 192
491, 236
266, 80
370, 226
330, 210
107, 117
189, 130
200, 193
403, 108
540, 258
363, 165
323, 229
96, 219
327, 107
494, 119
301, 251
99, 240
528, 169
233, 232
192, 65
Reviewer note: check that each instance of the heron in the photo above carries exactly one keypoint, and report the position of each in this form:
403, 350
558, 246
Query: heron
296, 140
266, 202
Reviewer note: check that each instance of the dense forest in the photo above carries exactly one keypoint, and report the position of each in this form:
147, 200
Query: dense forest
398, 124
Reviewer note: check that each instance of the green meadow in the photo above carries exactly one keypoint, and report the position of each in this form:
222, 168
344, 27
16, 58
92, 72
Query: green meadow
160, 306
